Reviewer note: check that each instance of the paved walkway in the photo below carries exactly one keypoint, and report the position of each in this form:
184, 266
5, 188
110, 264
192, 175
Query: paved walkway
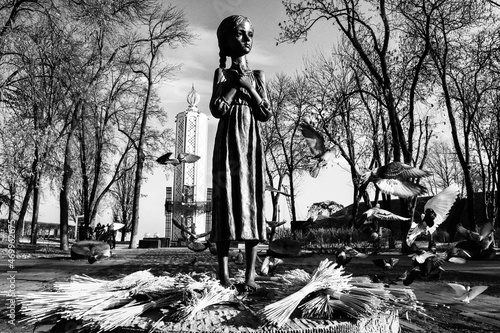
37, 274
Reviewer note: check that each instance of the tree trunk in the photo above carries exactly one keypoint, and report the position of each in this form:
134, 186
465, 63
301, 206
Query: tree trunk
22, 212
12, 201
63, 200
63, 194
36, 209
134, 239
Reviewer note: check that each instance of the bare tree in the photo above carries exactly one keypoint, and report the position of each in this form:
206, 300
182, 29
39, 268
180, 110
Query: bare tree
164, 28
369, 29
462, 60
289, 98
121, 192
98, 31
278, 94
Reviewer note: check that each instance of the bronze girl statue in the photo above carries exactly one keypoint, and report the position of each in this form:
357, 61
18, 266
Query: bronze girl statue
239, 101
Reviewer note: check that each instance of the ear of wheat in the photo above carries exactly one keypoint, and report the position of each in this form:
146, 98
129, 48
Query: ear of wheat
122, 317
324, 276
212, 294
106, 305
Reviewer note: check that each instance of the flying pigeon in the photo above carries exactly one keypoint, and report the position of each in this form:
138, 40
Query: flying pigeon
275, 190
275, 224
393, 178
377, 213
436, 210
466, 293
484, 236
192, 236
316, 143
181, 158
193, 245
425, 264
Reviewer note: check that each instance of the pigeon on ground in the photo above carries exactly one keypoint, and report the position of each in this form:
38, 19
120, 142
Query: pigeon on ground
436, 210
344, 256
239, 260
269, 265
91, 249
181, 158
394, 179
95, 256
428, 265
386, 263
466, 293
382, 278
193, 262
425, 265
316, 143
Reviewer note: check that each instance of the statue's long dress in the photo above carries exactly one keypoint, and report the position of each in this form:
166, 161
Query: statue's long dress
238, 163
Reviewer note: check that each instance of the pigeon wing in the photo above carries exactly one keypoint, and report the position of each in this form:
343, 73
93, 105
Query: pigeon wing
314, 170
187, 157
205, 234
421, 258
117, 226
475, 291
379, 262
415, 230
362, 220
274, 264
275, 224
182, 228
354, 253
401, 171
467, 234
486, 229
272, 189
459, 289
386, 215
313, 138
442, 202
394, 261
457, 260
264, 268
400, 188
164, 159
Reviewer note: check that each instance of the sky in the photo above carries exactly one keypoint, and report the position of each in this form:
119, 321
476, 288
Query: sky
198, 62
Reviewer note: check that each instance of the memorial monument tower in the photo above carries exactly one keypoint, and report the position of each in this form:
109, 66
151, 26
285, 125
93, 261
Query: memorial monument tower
187, 201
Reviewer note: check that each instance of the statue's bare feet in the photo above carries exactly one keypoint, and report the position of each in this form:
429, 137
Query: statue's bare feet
226, 281
251, 286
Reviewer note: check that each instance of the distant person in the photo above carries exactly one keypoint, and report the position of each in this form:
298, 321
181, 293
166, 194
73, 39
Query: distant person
112, 234
239, 101
89, 232
99, 229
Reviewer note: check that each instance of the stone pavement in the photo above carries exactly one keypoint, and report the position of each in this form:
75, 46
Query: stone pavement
38, 274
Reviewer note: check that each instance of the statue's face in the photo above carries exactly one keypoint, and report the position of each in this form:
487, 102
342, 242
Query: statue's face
241, 41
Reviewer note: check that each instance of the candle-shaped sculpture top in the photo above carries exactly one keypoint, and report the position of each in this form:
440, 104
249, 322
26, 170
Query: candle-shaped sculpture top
193, 98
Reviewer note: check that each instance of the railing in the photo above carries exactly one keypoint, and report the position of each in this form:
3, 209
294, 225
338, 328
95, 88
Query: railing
199, 206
